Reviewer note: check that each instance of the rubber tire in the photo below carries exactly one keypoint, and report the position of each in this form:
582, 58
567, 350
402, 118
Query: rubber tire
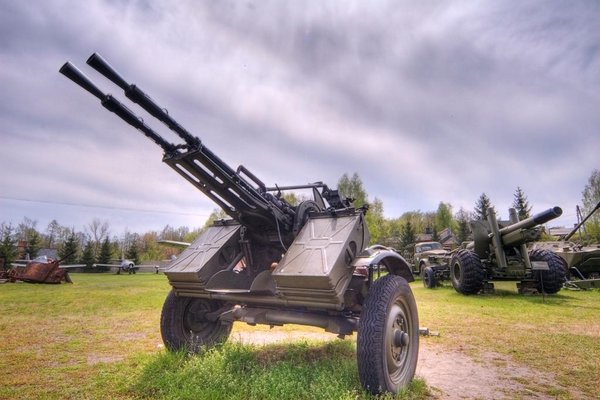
429, 279
466, 272
555, 277
390, 303
179, 333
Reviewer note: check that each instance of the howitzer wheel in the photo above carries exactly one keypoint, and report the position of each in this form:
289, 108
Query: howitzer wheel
467, 272
552, 280
388, 336
183, 325
429, 279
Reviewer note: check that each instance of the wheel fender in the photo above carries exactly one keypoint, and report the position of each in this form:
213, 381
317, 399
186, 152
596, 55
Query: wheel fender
377, 255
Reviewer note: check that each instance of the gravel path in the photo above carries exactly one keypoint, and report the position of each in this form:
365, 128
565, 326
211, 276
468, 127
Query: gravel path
449, 374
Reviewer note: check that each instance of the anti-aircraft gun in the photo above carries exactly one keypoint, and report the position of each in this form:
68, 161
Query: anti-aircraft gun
499, 252
275, 263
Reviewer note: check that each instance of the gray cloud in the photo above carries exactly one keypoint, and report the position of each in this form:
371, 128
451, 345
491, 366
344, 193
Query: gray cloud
428, 102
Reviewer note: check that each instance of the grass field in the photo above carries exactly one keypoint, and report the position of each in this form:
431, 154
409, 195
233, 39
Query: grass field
99, 338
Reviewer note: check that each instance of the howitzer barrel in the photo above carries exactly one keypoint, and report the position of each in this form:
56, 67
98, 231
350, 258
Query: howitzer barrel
538, 219
520, 236
114, 105
138, 96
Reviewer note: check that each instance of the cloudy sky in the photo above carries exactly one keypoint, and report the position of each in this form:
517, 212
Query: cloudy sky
427, 101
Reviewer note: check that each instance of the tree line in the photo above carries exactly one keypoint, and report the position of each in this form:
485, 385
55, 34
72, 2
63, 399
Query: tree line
93, 245
96, 245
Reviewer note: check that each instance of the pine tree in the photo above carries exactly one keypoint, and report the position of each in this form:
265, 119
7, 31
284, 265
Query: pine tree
34, 244
87, 257
8, 251
68, 251
407, 236
133, 251
434, 234
481, 207
464, 231
105, 255
521, 204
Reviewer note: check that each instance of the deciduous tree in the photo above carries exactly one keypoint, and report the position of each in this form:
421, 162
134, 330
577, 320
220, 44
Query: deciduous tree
590, 198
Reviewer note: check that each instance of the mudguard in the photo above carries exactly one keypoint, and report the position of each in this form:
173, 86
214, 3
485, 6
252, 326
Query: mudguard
381, 255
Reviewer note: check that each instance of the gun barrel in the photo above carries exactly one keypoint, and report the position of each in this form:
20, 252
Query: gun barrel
101, 65
139, 97
537, 219
74, 74
201, 167
114, 105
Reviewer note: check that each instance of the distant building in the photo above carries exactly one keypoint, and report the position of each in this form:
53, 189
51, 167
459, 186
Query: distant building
423, 237
559, 231
447, 239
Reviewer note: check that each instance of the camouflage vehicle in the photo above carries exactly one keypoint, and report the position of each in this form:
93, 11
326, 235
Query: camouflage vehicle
582, 262
274, 263
430, 261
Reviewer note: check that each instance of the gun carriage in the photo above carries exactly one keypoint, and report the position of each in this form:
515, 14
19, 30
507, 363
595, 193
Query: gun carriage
275, 263
499, 252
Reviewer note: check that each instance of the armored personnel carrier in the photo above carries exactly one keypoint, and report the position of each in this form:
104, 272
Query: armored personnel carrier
582, 262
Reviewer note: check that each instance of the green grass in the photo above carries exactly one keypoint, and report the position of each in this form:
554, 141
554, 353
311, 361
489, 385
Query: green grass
99, 338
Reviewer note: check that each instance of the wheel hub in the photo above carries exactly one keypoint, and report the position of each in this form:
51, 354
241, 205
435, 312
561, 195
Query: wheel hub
195, 317
401, 338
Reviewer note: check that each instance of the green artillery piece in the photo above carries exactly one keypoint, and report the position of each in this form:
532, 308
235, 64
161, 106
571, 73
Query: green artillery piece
498, 252
275, 263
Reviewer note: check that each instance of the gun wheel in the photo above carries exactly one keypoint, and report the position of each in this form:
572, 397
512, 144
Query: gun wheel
552, 280
467, 272
388, 336
183, 324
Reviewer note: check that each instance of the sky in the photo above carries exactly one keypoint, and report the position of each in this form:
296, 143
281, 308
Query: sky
427, 101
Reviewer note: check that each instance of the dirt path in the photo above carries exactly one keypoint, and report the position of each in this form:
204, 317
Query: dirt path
449, 374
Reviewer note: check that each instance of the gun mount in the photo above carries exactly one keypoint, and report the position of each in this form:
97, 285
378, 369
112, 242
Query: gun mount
273, 262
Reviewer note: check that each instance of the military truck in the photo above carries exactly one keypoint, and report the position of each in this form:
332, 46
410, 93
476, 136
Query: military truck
430, 261
275, 263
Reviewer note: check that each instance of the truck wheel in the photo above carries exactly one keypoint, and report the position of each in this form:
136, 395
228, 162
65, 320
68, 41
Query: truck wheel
552, 280
466, 272
388, 336
429, 279
183, 325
